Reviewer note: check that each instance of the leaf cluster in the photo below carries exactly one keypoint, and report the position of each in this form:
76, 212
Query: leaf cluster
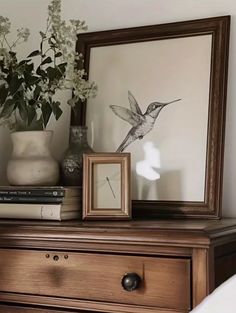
27, 90
23, 88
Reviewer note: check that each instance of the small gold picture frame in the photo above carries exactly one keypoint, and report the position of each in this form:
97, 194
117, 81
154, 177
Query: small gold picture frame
106, 186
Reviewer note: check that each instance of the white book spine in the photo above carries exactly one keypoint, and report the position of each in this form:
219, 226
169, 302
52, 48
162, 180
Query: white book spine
30, 211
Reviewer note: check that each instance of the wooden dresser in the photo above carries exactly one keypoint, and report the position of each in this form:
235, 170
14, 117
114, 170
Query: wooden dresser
165, 266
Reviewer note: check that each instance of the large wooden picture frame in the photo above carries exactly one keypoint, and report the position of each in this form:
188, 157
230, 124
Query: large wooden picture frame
138, 71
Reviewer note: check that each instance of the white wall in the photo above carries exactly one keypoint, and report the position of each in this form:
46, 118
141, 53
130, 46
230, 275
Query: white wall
112, 14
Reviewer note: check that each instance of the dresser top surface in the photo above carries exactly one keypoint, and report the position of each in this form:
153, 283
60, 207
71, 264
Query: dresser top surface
206, 226
75, 234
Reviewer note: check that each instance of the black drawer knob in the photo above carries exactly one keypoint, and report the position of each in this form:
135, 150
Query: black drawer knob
56, 258
131, 281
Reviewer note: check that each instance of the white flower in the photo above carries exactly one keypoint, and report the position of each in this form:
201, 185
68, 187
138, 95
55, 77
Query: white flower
29, 94
23, 33
5, 26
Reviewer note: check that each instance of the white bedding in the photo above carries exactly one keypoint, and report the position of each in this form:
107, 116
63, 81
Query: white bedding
222, 300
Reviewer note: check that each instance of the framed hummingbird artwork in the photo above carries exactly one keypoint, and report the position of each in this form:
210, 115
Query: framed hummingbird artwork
106, 186
162, 98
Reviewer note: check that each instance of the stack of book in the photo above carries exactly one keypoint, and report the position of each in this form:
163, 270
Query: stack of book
47, 203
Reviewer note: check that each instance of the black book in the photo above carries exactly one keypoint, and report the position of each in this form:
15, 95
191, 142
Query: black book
30, 199
25, 191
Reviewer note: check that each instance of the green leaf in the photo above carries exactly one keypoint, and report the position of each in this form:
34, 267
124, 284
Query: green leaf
8, 108
53, 73
57, 112
41, 72
23, 62
58, 54
29, 77
23, 111
46, 61
34, 54
5, 70
43, 35
62, 67
12, 54
29, 67
41, 45
31, 114
3, 93
46, 113
34, 80
15, 84
35, 125
30, 80
37, 91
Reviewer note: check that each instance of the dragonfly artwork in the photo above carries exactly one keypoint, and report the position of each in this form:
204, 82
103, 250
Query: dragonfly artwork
107, 185
109, 181
142, 123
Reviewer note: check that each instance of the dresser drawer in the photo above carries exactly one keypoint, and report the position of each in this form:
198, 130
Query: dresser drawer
18, 309
165, 282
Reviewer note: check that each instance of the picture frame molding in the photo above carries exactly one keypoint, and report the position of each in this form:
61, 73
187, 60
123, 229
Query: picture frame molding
89, 211
219, 28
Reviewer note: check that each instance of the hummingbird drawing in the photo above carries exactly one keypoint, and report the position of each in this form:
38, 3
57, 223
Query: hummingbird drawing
141, 123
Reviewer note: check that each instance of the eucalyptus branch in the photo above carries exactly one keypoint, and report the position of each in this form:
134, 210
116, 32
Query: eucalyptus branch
15, 42
48, 25
6, 41
41, 50
44, 53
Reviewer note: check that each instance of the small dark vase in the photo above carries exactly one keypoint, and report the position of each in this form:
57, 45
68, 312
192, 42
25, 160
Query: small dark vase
72, 164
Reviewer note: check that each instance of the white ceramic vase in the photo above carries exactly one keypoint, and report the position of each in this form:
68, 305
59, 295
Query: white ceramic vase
31, 163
